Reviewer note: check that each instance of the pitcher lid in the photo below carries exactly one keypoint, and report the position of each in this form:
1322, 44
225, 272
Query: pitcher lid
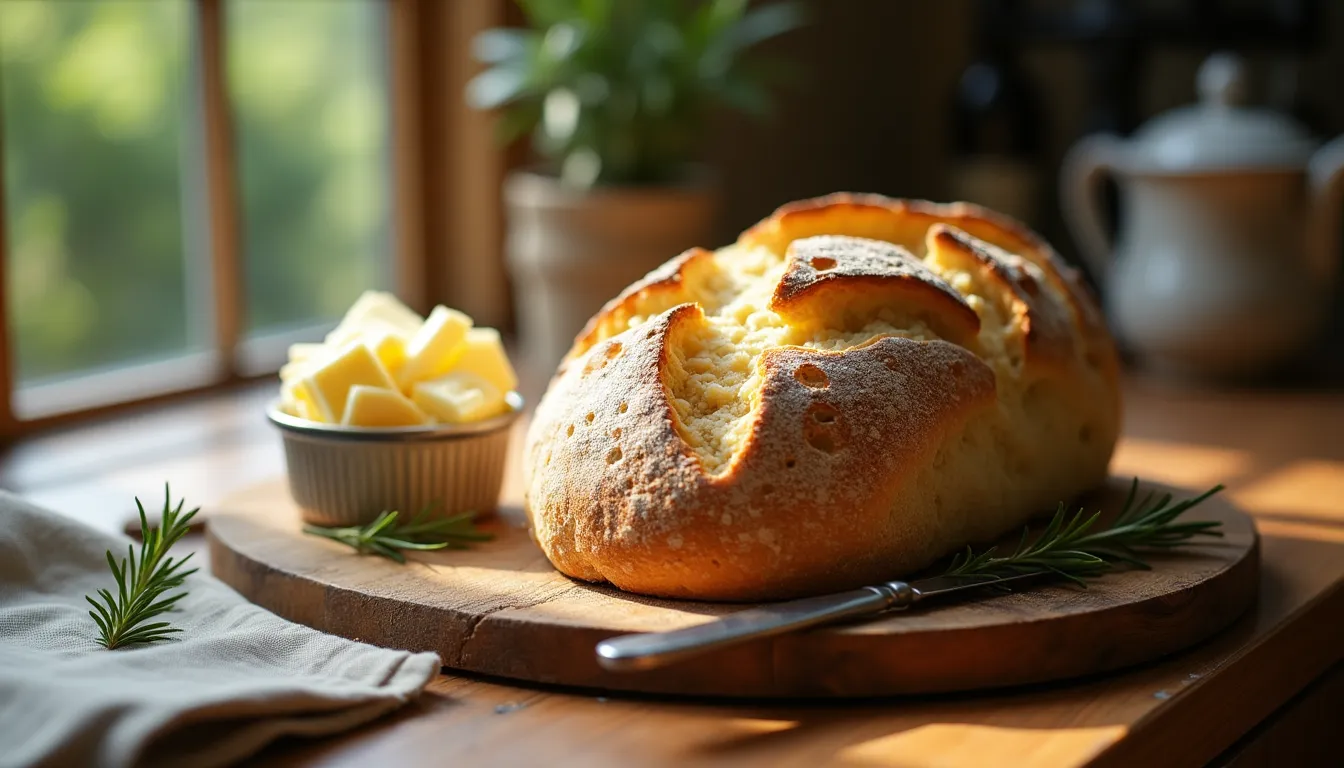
1220, 133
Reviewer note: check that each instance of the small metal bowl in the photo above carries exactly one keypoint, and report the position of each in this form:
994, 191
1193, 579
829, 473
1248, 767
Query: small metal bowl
342, 475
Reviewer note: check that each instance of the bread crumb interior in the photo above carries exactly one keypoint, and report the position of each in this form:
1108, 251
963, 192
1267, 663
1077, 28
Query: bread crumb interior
713, 377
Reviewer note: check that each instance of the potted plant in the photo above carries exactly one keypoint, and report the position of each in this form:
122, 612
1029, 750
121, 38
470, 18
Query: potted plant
615, 94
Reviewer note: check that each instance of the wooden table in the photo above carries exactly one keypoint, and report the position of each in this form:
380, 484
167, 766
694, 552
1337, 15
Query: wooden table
1270, 691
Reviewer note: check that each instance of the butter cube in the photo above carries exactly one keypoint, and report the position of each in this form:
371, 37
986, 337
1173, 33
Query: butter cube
345, 334
294, 370
375, 310
380, 407
305, 409
482, 353
459, 398
429, 351
390, 349
303, 357
305, 351
329, 383
295, 400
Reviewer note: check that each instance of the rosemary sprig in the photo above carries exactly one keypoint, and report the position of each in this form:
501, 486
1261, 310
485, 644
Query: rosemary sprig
142, 580
386, 538
1070, 549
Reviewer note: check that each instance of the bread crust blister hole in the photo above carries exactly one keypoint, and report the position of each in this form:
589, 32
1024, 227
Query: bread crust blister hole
811, 376
822, 429
822, 263
824, 414
598, 362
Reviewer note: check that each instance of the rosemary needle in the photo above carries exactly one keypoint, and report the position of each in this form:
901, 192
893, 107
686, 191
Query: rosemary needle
142, 580
384, 537
1070, 549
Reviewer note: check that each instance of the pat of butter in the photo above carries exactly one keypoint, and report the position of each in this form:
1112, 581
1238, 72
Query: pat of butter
428, 351
383, 346
301, 352
390, 349
295, 400
380, 407
459, 397
344, 335
329, 383
482, 353
375, 311
293, 371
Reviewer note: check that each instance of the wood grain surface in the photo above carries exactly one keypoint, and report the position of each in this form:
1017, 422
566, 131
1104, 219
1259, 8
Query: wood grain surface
500, 609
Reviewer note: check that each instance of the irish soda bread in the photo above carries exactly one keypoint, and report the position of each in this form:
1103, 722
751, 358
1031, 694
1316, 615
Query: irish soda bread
855, 388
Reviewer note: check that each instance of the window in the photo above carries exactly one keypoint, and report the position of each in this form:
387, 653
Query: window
308, 89
191, 185
94, 129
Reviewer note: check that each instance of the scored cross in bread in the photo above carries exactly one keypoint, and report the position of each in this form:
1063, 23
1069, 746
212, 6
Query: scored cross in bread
855, 388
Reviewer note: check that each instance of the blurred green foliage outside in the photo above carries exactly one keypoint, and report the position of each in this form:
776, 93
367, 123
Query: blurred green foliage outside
92, 125
309, 87
104, 192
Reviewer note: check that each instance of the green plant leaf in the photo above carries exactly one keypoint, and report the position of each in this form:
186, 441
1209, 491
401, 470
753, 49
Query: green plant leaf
544, 13
746, 95
516, 122
496, 87
713, 17
581, 168
645, 74
499, 45
596, 12
764, 22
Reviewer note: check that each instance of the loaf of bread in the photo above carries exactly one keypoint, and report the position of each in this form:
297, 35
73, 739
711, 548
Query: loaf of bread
855, 388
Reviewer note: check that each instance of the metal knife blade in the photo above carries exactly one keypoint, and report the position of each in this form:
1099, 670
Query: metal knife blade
650, 650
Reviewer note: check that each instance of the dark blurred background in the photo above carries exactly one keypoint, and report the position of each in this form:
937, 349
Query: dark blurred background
883, 107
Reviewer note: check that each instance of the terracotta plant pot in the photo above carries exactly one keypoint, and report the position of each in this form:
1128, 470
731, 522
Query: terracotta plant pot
570, 250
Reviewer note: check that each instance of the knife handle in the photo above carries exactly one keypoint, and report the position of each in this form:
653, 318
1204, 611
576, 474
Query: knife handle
629, 653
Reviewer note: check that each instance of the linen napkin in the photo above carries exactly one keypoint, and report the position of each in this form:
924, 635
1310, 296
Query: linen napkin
234, 679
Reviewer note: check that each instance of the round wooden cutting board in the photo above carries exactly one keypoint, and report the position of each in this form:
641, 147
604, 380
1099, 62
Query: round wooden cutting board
500, 609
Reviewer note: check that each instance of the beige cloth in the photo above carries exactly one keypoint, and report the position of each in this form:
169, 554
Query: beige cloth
236, 678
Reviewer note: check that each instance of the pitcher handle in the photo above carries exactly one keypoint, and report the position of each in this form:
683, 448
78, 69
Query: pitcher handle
1325, 172
1080, 179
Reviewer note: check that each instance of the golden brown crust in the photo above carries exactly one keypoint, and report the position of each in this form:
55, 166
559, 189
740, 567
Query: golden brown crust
904, 222
863, 454
661, 289
1022, 301
679, 532
827, 271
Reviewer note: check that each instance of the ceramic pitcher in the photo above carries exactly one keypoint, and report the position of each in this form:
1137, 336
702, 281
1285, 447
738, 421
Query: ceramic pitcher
1228, 237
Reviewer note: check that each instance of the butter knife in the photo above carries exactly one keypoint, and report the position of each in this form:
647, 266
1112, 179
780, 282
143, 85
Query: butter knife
650, 650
